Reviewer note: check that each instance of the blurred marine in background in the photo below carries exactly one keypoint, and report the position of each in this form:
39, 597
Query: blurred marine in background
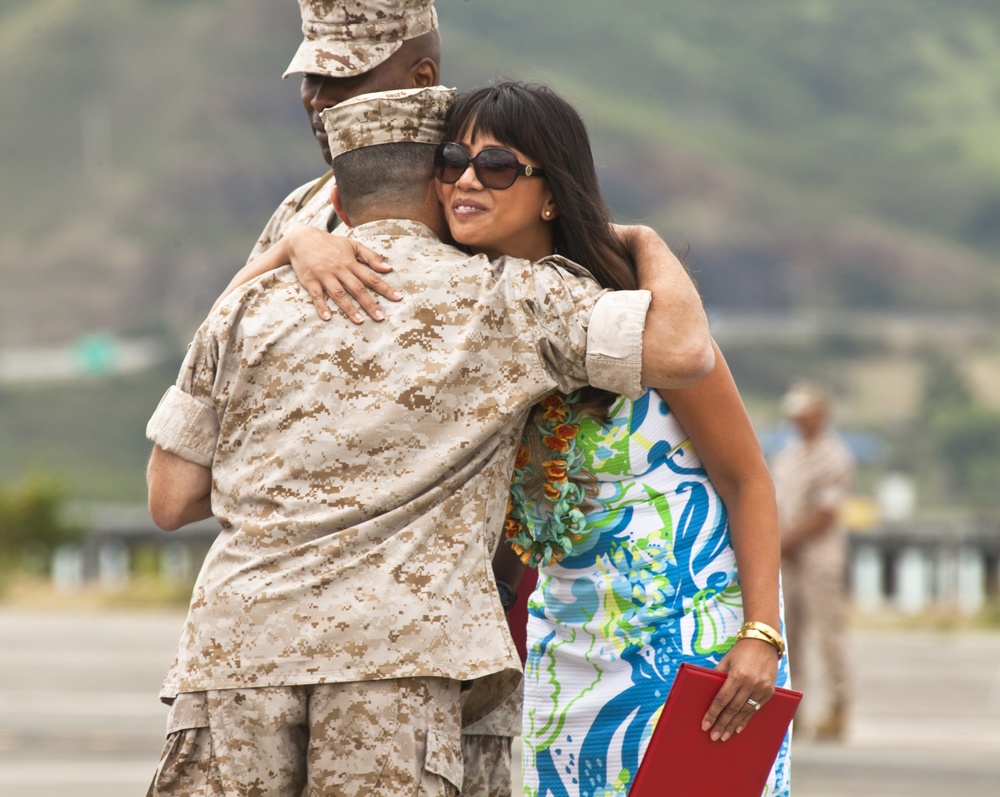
813, 476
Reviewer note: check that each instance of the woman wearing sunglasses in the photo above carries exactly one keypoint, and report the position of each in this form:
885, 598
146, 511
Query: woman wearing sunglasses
652, 523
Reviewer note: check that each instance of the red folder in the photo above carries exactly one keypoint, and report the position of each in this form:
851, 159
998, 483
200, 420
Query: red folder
681, 758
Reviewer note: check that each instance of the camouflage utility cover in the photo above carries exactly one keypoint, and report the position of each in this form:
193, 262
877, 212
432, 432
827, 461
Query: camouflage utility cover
360, 472
310, 206
343, 38
388, 117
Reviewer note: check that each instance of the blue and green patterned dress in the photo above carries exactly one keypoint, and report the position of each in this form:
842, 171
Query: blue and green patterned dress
651, 583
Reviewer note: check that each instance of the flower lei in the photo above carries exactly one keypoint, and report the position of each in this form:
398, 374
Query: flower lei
545, 542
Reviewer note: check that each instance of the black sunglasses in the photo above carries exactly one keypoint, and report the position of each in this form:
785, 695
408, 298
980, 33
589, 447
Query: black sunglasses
495, 167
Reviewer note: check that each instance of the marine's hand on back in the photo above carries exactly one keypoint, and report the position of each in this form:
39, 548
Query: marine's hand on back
341, 268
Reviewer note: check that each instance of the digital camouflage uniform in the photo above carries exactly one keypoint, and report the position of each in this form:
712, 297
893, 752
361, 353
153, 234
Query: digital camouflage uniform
813, 475
334, 45
354, 740
487, 750
358, 472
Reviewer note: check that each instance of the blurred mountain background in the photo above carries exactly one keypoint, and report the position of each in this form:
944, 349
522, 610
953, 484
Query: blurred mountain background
831, 168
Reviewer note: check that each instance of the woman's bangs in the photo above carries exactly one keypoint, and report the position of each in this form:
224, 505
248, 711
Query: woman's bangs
501, 117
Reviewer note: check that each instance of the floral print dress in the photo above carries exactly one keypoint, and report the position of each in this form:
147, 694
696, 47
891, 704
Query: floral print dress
650, 581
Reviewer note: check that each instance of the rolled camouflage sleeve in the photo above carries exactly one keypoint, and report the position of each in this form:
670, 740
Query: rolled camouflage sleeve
614, 342
187, 420
592, 335
184, 426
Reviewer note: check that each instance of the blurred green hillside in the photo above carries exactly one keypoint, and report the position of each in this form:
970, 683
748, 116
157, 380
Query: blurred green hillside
830, 159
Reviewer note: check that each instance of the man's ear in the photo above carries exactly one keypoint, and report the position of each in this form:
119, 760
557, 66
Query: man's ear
339, 206
424, 73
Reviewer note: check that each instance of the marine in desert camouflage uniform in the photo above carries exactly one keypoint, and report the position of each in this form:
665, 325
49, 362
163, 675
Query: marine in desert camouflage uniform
344, 53
357, 472
813, 477
351, 47
340, 55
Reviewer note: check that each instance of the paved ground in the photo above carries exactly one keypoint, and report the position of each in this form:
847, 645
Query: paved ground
78, 713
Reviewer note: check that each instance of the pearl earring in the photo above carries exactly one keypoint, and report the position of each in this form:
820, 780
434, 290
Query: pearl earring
548, 214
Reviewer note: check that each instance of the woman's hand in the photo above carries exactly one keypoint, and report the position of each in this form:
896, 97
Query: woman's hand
325, 265
752, 669
341, 268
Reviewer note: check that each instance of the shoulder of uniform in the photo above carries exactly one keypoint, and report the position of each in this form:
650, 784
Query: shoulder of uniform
304, 193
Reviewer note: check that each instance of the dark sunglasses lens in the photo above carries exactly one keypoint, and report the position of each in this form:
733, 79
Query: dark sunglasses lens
496, 168
450, 162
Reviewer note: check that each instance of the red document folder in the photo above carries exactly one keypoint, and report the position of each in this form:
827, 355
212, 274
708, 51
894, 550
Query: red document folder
682, 760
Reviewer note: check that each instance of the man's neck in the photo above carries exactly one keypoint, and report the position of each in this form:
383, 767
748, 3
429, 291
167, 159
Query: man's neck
434, 220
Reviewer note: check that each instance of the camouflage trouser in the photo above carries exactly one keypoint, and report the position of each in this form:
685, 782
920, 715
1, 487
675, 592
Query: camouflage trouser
486, 747
377, 738
487, 766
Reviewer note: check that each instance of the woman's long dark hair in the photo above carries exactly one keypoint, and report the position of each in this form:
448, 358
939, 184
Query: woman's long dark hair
532, 118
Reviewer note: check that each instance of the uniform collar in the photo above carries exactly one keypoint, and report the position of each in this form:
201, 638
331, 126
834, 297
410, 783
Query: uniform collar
394, 227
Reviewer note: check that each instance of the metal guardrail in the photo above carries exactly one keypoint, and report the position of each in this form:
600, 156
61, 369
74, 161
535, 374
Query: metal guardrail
117, 536
908, 567
914, 567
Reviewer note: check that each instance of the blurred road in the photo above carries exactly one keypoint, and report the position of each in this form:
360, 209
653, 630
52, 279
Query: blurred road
79, 714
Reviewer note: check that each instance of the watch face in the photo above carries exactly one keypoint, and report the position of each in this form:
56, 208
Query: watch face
507, 595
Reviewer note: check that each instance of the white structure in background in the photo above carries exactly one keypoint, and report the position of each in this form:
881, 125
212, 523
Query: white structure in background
913, 565
896, 496
867, 577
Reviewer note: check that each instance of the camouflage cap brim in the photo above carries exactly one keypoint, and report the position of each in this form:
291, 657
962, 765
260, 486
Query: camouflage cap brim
388, 117
335, 58
343, 42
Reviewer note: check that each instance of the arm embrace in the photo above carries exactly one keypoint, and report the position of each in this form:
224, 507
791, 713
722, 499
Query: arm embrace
677, 347
326, 265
